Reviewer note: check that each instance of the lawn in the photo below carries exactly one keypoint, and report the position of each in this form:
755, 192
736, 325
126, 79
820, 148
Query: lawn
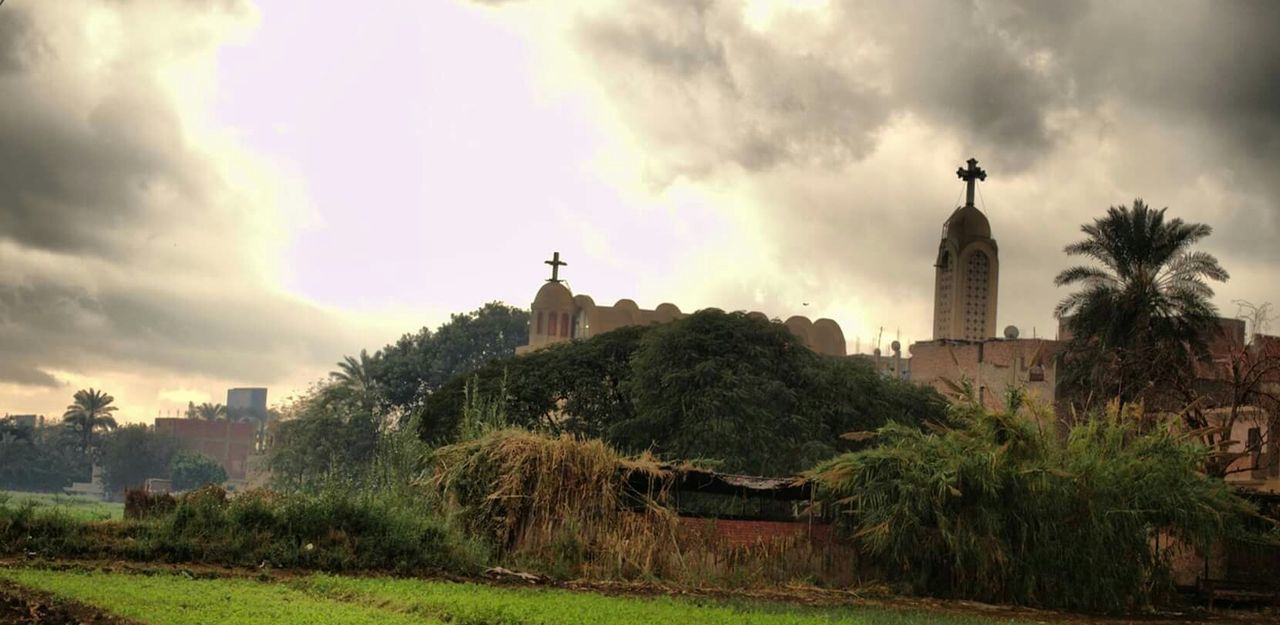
80, 508
170, 599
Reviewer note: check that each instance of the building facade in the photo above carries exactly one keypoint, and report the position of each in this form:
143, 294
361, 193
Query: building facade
557, 315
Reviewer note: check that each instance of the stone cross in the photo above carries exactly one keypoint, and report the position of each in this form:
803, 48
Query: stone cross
970, 175
555, 263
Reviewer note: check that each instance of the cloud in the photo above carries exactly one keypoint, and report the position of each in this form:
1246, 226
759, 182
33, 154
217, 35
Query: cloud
830, 132
134, 235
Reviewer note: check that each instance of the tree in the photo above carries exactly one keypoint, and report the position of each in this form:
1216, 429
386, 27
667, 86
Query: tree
190, 469
326, 433
1141, 318
90, 412
210, 412
355, 377
134, 453
410, 370
713, 385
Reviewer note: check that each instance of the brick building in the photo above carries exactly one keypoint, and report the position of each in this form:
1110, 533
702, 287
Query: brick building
227, 442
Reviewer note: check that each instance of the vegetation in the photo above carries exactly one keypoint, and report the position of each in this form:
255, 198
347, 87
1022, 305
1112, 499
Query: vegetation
996, 509
78, 508
206, 411
335, 530
46, 459
134, 453
529, 494
90, 412
190, 469
177, 600
469, 604
714, 385
1141, 318
162, 599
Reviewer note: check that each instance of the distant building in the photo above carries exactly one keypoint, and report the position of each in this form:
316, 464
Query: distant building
28, 421
247, 404
227, 442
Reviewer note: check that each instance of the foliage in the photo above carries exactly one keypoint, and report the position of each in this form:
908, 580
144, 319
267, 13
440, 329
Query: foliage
50, 459
134, 453
993, 509
1142, 317
337, 529
190, 469
206, 411
712, 385
409, 370
90, 411
182, 600
323, 435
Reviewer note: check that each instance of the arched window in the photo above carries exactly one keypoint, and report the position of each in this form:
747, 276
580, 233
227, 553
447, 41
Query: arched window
564, 324
539, 331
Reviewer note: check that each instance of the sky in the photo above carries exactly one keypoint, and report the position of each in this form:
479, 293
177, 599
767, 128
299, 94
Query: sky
204, 194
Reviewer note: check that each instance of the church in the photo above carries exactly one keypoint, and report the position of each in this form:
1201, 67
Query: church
964, 343
557, 315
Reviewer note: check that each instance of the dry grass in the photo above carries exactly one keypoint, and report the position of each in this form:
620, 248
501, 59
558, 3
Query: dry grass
570, 508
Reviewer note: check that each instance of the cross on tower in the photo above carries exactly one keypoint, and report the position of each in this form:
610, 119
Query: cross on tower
970, 175
555, 263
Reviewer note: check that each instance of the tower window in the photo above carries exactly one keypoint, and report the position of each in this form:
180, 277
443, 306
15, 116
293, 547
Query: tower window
539, 330
564, 324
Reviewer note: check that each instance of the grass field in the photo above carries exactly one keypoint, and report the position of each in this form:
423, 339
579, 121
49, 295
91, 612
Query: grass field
77, 507
167, 599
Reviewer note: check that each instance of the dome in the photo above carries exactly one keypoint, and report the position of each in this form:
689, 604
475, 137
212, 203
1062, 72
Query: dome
967, 223
554, 296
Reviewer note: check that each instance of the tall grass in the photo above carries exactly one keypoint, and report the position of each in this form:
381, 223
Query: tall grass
996, 509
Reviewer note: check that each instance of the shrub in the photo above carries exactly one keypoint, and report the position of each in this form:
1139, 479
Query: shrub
190, 469
993, 509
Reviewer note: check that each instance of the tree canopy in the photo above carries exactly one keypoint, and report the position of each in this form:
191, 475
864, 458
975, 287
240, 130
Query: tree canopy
1143, 311
714, 385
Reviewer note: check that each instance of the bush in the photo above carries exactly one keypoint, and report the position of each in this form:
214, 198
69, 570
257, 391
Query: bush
191, 469
993, 509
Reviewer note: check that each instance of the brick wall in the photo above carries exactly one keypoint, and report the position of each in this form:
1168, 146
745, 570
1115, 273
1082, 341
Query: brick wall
734, 532
227, 442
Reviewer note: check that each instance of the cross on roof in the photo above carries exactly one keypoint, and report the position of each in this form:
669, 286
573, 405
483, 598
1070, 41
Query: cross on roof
555, 263
970, 175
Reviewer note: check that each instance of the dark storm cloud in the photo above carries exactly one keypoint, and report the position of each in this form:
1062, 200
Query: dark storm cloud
992, 72
123, 246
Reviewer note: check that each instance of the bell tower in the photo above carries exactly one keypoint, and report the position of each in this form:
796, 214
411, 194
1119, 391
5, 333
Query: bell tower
967, 271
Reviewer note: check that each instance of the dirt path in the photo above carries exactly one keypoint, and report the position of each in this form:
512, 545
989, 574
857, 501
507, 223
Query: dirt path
22, 606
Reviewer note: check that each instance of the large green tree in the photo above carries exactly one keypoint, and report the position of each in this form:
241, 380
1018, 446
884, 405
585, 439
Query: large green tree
714, 385
411, 369
90, 412
134, 453
1141, 312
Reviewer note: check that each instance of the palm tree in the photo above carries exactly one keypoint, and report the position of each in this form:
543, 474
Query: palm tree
210, 412
1145, 310
356, 376
91, 411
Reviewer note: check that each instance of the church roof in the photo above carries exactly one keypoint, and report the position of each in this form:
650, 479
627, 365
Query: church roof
966, 224
554, 295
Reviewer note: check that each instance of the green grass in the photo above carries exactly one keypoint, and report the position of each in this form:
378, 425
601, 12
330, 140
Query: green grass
472, 604
79, 508
170, 599
176, 600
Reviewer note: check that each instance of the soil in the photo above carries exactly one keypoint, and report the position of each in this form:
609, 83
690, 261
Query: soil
23, 606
